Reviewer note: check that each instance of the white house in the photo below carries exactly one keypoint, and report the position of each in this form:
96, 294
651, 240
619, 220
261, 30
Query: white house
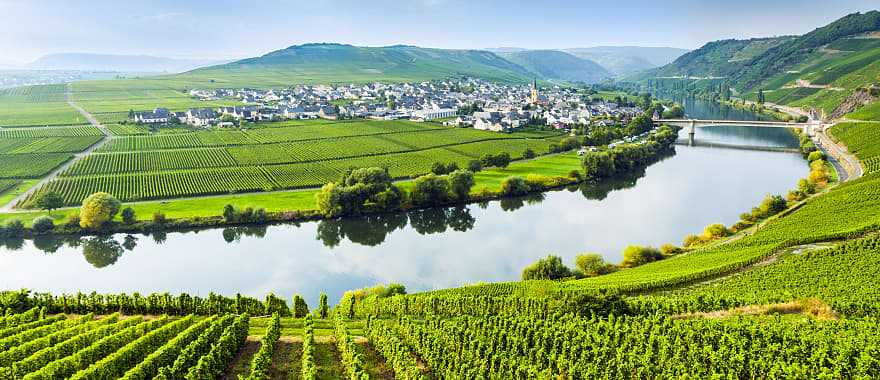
157, 116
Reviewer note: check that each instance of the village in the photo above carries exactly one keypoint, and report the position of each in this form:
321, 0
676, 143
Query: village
467, 102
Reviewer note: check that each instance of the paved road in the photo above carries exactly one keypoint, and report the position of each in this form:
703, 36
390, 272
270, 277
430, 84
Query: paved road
107, 136
847, 165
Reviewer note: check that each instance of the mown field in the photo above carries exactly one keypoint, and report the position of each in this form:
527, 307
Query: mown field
286, 155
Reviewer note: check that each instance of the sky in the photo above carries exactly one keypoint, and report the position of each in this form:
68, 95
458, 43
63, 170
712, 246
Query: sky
225, 29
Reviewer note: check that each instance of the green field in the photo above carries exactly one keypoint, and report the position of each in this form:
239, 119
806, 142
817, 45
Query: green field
37, 106
288, 155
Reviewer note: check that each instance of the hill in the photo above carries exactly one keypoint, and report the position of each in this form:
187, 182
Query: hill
821, 69
114, 62
622, 60
326, 63
554, 64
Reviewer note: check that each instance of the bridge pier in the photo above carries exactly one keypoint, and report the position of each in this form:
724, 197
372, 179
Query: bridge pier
692, 130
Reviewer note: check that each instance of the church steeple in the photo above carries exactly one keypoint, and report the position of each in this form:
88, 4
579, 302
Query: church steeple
534, 97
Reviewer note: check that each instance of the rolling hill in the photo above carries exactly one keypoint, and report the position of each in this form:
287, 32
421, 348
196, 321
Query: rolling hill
338, 63
557, 65
822, 69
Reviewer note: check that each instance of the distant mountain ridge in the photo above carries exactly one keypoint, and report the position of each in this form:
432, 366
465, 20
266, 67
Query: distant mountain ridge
117, 62
557, 65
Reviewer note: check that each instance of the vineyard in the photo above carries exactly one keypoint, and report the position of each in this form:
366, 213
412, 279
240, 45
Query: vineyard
277, 156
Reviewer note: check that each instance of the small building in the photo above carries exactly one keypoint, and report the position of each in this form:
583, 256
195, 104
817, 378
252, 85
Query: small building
157, 116
433, 114
328, 112
201, 117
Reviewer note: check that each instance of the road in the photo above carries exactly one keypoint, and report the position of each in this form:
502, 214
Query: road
106, 137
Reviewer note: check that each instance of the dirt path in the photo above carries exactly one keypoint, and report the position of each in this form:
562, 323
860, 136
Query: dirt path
76, 157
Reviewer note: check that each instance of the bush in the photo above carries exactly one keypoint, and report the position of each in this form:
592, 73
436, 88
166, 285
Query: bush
513, 186
636, 255
670, 250
14, 229
128, 215
43, 225
549, 268
439, 168
529, 153
715, 231
690, 241
159, 218
592, 265
816, 155
72, 220
98, 209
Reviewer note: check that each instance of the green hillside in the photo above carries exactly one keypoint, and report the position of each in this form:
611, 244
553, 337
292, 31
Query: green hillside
822, 69
554, 64
337, 63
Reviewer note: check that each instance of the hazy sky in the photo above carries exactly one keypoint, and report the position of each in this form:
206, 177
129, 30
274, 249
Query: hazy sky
230, 28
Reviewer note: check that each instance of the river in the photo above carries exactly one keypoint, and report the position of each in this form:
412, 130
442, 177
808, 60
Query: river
430, 249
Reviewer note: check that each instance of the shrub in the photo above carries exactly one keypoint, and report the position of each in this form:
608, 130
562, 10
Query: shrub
72, 220
529, 153
691, 240
715, 231
592, 264
43, 224
98, 209
514, 186
816, 155
128, 215
14, 229
159, 218
670, 249
549, 268
636, 255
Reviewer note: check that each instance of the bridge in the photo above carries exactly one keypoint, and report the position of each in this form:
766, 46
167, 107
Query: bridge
692, 124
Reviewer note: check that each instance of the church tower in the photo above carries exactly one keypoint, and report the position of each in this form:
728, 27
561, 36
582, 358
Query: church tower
535, 91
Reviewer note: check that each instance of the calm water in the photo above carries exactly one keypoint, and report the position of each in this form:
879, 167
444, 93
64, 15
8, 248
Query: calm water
426, 249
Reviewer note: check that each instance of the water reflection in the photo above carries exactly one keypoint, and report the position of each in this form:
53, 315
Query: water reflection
424, 249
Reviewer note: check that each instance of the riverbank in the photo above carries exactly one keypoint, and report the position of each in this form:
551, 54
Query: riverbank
539, 175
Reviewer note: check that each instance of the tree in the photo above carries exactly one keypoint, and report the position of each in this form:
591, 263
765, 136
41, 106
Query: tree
772, 205
430, 190
636, 255
300, 308
229, 214
327, 200
529, 153
592, 264
49, 200
598, 164
461, 182
548, 268
502, 160
323, 309
474, 166
514, 186
128, 215
98, 209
